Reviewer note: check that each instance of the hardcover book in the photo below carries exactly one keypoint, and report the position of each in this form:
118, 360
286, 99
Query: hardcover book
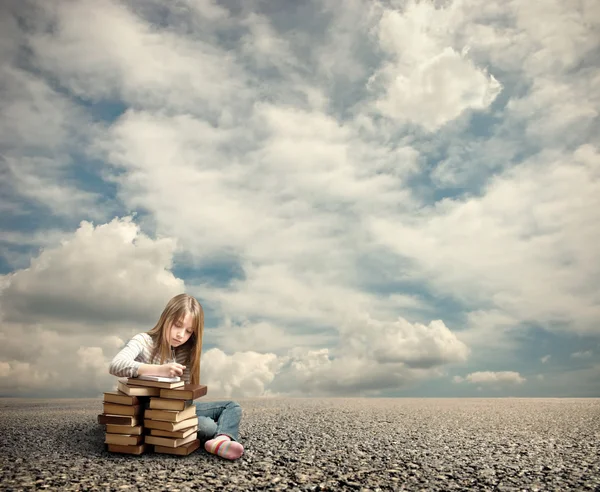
104, 419
114, 409
170, 415
186, 392
169, 441
166, 404
123, 439
180, 434
135, 430
170, 426
183, 450
137, 390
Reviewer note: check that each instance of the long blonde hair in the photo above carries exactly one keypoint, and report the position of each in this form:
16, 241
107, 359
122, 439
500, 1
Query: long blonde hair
174, 311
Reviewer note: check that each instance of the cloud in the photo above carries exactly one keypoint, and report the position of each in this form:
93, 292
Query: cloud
545, 359
490, 377
426, 81
318, 373
239, 375
94, 276
132, 61
584, 354
532, 240
401, 187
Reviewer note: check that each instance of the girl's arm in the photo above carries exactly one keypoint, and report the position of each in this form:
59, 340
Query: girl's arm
125, 365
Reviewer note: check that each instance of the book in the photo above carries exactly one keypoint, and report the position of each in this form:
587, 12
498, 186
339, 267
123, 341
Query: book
137, 390
162, 379
169, 441
119, 448
135, 430
115, 409
182, 450
120, 398
123, 439
154, 384
186, 392
171, 415
180, 434
170, 426
104, 419
166, 404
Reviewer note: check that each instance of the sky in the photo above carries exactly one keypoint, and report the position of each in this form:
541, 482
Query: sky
368, 198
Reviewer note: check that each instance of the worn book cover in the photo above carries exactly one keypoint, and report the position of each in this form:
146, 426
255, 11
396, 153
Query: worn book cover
170, 426
123, 439
171, 415
137, 390
169, 441
186, 392
120, 398
180, 434
119, 448
166, 404
183, 450
104, 419
115, 409
135, 430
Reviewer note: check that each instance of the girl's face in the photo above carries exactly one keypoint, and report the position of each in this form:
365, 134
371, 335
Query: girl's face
181, 331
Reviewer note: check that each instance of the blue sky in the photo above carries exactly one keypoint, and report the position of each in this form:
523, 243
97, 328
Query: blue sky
386, 199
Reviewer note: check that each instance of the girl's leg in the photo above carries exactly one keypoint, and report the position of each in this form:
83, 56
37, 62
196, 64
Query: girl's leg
225, 432
207, 428
226, 414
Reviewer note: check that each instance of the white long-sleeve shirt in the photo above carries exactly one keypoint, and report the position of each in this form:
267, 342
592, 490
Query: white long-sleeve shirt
137, 351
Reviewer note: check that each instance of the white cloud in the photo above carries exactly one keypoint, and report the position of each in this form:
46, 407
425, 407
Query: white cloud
239, 375
525, 245
265, 336
131, 60
583, 354
545, 359
427, 81
490, 377
94, 275
323, 204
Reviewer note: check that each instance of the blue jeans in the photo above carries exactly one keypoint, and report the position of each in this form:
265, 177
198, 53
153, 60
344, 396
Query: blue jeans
218, 417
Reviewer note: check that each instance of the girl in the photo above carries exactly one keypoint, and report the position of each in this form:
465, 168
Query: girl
172, 348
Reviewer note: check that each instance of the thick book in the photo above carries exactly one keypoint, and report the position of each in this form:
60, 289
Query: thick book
180, 434
119, 448
186, 392
137, 390
135, 430
123, 439
154, 384
171, 415
115, 409
104, 419
120, 398
166, 404
170, 426
182, 450
169, 441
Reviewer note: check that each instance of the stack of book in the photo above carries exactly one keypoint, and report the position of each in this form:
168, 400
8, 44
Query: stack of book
171, 421
122, 414
150, 410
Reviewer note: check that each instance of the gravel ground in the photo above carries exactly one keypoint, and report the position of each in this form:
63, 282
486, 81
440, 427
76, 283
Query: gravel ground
322, 444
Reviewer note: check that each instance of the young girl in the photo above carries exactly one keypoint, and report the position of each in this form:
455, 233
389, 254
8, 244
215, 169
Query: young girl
172, 348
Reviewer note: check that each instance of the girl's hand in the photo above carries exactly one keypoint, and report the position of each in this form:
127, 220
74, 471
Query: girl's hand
171, 369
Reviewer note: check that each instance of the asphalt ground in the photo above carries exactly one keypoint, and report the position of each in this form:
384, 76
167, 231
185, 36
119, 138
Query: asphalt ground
321, 444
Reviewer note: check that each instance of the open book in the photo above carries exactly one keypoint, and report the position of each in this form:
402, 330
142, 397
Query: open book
160, 378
